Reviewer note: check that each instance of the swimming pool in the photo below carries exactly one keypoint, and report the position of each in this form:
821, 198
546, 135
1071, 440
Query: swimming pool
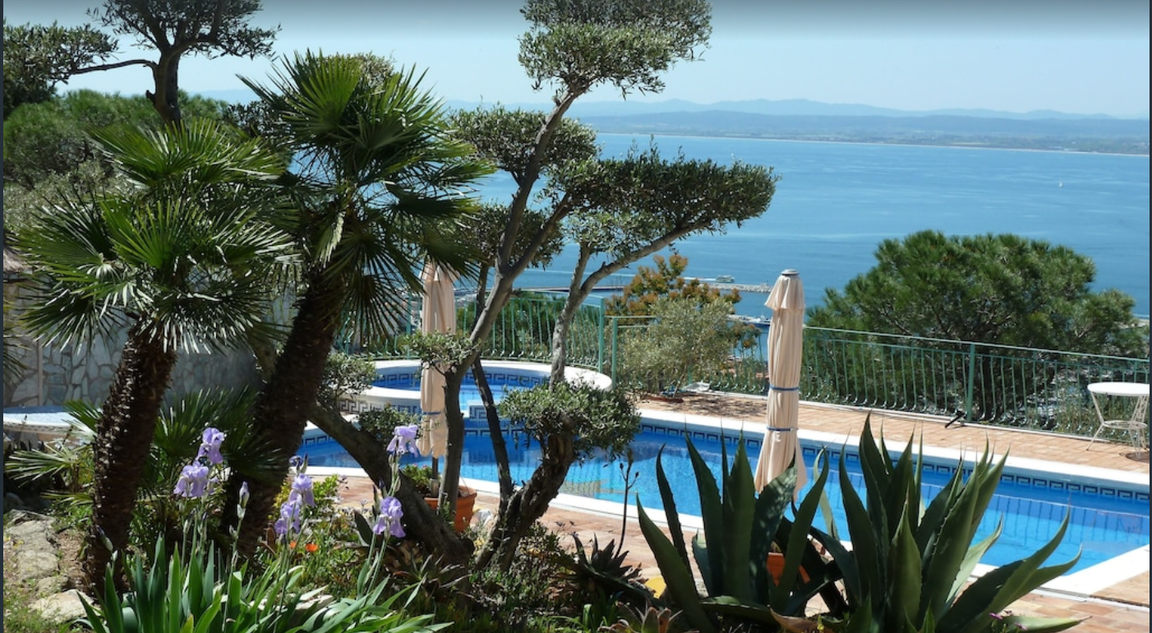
1107, 518
397, 385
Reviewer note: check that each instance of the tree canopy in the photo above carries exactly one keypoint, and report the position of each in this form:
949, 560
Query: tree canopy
665, 281
626, 43
54, 137
49, 151
1002, 289
38, 57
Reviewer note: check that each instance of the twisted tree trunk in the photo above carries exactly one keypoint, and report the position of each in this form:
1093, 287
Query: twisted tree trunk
420, 521
525, 506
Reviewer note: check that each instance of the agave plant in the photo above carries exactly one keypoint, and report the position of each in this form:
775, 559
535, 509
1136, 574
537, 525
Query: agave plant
605, 570
740, 528
910, 563
652, 620
908, 570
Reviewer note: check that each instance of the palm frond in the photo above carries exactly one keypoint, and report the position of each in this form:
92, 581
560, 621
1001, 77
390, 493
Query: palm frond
194, 252
199, 154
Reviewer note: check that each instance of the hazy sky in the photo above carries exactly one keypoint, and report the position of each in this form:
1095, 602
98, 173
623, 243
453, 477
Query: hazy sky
1077, 56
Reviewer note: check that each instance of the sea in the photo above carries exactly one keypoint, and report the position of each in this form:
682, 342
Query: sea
835, 203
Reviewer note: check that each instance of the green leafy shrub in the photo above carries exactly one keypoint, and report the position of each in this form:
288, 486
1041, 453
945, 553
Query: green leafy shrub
685, 340
344, 374
527, 592
422, 478
326, 551
594, 418
382, 423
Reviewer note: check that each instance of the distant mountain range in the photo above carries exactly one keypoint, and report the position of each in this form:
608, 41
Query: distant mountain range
1083, 134
813, 121
801, 119
787, 107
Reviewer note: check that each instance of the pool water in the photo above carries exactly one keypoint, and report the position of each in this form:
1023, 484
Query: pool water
1104, 522
469, 392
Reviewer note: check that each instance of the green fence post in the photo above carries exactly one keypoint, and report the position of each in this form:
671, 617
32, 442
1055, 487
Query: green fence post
600, 343
615, 346
971, 383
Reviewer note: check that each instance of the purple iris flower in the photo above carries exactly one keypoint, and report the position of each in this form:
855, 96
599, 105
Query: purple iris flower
302, 490
404, 440
289, 520
389, 519
210, 445
193, 482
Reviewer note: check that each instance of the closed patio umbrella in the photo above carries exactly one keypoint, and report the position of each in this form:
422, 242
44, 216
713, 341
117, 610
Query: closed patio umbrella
785, 342
437, 314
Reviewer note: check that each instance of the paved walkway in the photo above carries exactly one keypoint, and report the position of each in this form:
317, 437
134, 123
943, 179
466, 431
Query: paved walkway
1122, 607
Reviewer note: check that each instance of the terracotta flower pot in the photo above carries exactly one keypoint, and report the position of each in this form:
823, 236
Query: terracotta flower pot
776, 567
465, 508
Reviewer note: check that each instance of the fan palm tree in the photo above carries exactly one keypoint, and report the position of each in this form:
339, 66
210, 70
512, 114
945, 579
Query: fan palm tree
378, 181
179, 252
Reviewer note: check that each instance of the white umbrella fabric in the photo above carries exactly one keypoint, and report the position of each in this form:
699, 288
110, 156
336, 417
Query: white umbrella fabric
785, 344
437, 314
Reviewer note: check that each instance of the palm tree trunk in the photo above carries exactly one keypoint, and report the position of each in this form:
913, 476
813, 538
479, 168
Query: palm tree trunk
123, 439
282, 409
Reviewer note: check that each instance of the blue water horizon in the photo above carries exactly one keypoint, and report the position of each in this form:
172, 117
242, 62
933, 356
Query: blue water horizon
836, 202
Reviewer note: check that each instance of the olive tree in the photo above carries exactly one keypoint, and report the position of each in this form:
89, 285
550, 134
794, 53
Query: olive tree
683, 339
571, 47
626, 209
171, 28
616, 211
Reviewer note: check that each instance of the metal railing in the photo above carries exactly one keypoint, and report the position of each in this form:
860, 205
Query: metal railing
523, 331
995, 384
976, 382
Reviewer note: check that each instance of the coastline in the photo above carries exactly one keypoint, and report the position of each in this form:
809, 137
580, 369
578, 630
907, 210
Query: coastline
876, 143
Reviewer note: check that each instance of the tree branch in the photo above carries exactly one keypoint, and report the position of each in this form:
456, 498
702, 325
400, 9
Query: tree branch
113, 66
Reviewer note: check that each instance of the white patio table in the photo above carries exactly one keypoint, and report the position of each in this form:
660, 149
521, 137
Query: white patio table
1135, 424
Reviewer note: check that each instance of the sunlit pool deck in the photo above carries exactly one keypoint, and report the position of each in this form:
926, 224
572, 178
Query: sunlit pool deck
1114, 595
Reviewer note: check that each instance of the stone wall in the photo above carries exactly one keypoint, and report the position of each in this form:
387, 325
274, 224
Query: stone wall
54, 374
